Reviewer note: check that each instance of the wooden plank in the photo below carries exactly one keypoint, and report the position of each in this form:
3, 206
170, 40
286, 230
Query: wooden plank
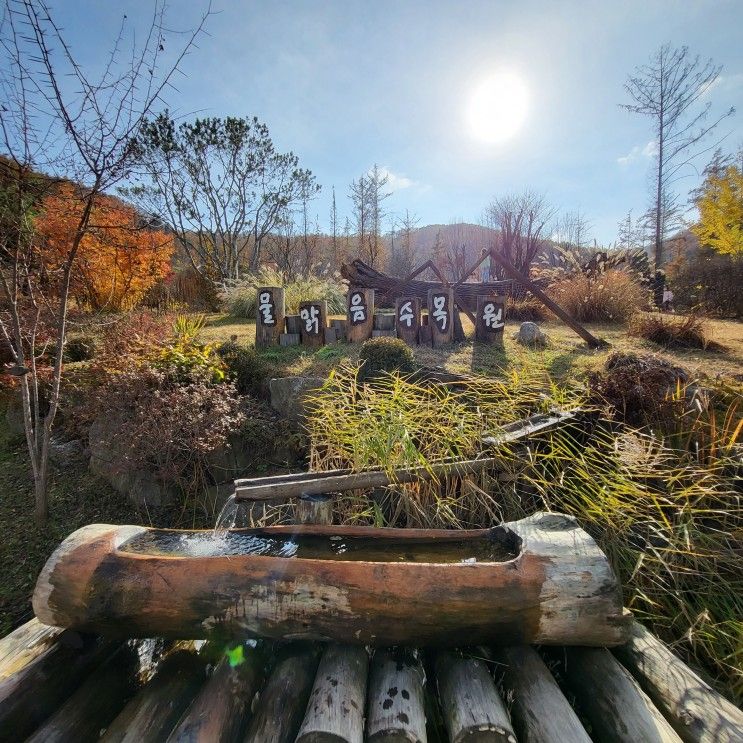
40, 667
472, 709
221, 708
283, 701
360, 314
335, 712
540, 711
514, 273
95, 703
696, 711
395, 709
313, 315
314, 509
612, 700
270, 316
154, 711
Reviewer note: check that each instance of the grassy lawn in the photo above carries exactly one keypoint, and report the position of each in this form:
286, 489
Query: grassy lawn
566, 356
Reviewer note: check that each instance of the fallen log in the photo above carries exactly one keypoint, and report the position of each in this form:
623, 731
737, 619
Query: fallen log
221, 708
156, 708
541, 579
697, 712
95, 703
335, 711
283, 701
396, 703
540, 711
40, 667
613, 701
472, 709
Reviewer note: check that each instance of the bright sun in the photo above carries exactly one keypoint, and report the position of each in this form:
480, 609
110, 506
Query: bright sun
497, 108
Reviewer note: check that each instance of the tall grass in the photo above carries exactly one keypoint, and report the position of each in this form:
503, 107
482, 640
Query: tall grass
240, 299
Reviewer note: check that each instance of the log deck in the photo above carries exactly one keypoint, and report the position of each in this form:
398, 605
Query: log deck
325, 693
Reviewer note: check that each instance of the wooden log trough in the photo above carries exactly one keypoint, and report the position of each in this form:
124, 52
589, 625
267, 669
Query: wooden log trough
538, 580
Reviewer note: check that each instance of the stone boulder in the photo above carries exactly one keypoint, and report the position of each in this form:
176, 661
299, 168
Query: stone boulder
288, 395
531, 335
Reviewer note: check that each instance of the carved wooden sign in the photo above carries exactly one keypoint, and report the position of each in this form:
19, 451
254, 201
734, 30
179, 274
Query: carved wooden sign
491, 318
312, 317
270, 315
408, 319
360, 314
441, 315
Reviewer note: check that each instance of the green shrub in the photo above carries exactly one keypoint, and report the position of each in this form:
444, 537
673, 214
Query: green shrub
385, 354
248, 370
239, 300
80, 348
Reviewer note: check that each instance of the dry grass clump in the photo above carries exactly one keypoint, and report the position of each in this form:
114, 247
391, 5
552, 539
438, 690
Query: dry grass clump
686, 331
613, 296
526, 309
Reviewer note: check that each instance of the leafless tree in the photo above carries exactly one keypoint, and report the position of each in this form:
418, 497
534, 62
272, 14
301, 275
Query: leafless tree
57, 120
670, 89
367, 196
404, 258
283, 246
521, 222
334, 231
572, 230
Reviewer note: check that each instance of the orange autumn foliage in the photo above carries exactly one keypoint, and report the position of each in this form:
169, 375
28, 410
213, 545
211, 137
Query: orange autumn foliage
118, 260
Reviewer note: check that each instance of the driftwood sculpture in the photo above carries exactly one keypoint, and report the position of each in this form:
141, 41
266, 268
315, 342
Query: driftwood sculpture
538, 580
389, 288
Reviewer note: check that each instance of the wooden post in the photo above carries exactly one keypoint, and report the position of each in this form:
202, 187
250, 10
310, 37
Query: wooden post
514, 273
491, 319
313, 316
335, 712
314, 509
396, 698
360, 312
441, 315
270, 316
408, 319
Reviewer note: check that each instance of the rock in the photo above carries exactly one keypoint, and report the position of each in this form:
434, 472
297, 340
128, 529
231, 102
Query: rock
108, 460
14, 415
530, 334
65, 453
288, 393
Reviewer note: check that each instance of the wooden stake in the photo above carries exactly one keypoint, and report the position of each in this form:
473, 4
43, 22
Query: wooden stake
514, 273
313, 316
396, 698
441, 316
408, 319
314, 509
335, 712
360, 314
270, 316
491, 319
472, 709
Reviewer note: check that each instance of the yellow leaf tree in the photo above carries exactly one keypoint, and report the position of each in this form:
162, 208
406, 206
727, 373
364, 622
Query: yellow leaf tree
720, 207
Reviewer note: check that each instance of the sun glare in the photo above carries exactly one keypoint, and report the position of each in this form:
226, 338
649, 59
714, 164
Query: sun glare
497, 108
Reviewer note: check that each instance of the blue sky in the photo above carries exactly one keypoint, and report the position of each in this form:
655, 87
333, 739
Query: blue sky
347, 84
